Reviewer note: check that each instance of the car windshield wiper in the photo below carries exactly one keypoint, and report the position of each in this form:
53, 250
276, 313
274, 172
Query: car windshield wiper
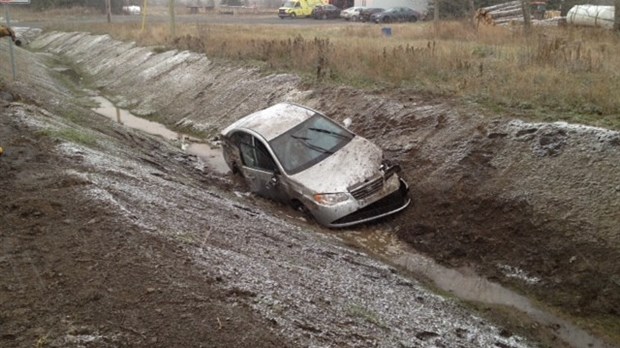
304, 140
327, 131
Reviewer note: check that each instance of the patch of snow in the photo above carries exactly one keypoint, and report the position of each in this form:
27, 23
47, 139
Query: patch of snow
517, 273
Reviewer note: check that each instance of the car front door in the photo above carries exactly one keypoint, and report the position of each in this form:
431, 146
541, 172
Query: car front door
258, 167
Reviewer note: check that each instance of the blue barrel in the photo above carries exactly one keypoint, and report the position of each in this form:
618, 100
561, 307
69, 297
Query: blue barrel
387, 31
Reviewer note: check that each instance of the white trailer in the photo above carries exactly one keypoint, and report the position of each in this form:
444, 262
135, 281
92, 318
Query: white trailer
418, 5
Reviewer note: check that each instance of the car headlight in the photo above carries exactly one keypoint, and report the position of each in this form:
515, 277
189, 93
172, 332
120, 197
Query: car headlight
331, 198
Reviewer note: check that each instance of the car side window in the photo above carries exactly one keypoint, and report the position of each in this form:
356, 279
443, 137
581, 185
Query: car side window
263, 158
244, 142
254, 154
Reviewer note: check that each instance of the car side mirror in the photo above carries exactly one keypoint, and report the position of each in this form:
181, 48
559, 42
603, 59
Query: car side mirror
347, 122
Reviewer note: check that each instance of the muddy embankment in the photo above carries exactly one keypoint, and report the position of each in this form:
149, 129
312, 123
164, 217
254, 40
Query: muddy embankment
499, 194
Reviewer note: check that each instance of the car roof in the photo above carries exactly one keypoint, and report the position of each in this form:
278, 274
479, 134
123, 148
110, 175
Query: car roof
272, 121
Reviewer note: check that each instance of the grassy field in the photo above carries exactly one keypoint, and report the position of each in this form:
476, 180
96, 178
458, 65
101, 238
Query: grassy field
568, 74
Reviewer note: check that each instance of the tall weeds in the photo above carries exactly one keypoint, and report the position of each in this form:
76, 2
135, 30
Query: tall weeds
555, 73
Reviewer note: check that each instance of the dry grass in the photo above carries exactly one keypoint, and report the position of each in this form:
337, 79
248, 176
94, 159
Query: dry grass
567, 74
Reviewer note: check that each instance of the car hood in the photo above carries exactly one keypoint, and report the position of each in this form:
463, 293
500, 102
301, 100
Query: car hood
354, 163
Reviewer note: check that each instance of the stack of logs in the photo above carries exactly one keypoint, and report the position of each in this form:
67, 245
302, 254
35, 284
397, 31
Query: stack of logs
500, 14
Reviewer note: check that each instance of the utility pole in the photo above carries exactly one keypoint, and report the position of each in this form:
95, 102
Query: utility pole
108, 10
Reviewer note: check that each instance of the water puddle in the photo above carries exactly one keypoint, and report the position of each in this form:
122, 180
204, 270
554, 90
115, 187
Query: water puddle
206, 152
467, 285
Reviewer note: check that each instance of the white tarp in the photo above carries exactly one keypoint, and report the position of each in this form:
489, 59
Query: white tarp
591, 15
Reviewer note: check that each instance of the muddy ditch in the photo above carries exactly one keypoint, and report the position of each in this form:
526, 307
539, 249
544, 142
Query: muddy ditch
492, 194
463, 283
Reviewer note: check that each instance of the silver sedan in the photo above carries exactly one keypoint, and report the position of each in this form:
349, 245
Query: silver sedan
299, 156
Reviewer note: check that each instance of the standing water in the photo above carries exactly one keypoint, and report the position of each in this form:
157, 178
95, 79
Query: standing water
211, 156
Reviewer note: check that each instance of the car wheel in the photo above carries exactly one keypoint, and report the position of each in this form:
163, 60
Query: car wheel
293, 15
300, 207
324, 16
355, 18
413, 19
386, 20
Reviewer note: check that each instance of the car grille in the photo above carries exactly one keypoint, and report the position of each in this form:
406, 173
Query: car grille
387, 204
367, 189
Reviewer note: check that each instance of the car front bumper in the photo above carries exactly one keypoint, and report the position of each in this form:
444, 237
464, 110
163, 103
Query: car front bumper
352, 213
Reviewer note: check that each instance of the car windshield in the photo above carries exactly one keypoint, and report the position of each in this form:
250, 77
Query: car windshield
309, 143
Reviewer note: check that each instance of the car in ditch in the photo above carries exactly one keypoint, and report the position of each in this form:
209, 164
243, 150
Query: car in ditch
299, 156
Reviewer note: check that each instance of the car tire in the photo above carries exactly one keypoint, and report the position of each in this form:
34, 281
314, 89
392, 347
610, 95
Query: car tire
413, 19
293, 15
305, 212
387, 20
355, 19
324, 16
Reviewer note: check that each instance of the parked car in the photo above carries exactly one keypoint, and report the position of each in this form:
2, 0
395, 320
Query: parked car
351, 13
299, 156
326, 12
396, 14
365, 13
